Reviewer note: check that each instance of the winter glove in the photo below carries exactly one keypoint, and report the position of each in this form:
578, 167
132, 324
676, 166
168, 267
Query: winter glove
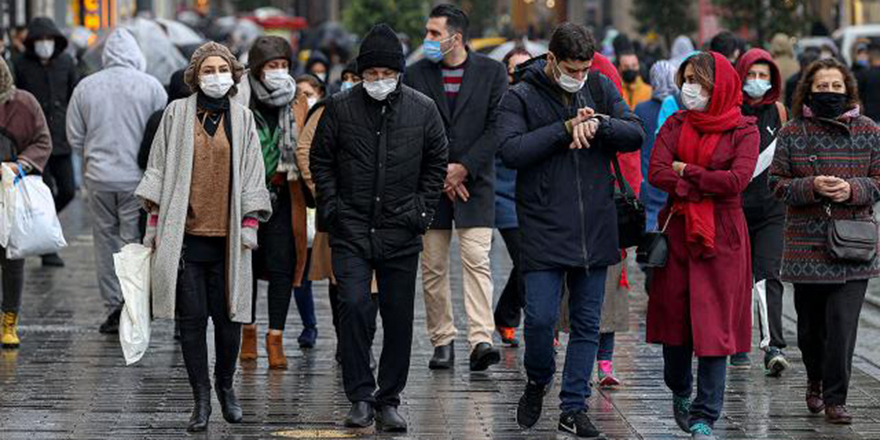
150, 239
249, 233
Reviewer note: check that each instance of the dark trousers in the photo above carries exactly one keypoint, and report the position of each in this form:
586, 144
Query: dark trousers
333, 291
305, 302
275, 260
58, 175
13, 282
397, 286
508, 311
711, 376
543, 298
828, 321
201, 292
766, 235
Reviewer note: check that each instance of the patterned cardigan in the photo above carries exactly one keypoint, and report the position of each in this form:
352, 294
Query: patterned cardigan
849, 148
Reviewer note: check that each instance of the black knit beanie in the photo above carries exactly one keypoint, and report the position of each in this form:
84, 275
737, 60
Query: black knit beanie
351, 67
381, 48
266, 49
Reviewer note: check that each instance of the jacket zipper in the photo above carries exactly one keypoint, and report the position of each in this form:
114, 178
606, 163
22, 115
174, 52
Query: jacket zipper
583, 222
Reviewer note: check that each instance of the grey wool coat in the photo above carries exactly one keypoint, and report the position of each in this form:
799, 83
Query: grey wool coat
166, 183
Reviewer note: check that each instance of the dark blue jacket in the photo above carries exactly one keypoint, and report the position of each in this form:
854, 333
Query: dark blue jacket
505, 196
653, 198
564, 197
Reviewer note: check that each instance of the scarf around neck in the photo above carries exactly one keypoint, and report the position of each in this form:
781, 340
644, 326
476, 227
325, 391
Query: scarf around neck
283, 97
697, 142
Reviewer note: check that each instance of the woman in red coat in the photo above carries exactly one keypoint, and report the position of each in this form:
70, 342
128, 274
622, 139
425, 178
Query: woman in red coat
700, 302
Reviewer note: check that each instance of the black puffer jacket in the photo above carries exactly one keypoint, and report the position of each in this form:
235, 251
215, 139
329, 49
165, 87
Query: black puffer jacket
52, 84
378, 169
564, 197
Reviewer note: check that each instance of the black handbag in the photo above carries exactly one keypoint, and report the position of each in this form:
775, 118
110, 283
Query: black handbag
851, 240
653, 251
630, 212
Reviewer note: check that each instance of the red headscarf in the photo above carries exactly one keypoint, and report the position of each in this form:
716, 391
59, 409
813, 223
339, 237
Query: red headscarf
699, 137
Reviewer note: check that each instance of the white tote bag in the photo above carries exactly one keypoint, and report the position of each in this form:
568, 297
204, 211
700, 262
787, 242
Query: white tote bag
34, 226
133, 270
7, 202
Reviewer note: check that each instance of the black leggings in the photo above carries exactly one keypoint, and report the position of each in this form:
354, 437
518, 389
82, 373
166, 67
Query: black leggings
201, 292
13, 282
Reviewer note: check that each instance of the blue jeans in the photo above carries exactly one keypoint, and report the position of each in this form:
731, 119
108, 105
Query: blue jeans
711, 376
543, 297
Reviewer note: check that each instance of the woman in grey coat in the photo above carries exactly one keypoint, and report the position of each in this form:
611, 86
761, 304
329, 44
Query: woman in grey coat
204, 189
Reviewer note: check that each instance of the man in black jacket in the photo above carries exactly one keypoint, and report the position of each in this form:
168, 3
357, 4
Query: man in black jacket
467, 87
561, 137
50, 75
378, 161
869, 84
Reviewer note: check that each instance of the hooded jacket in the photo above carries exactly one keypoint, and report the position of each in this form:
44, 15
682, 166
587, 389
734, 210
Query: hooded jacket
564, 197
53, 83
758, 202
108, 114
22, 124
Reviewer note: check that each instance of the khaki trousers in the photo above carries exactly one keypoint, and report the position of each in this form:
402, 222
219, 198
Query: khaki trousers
477, 276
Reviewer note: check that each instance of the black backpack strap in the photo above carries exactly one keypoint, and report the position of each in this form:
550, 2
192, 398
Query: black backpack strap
597, 92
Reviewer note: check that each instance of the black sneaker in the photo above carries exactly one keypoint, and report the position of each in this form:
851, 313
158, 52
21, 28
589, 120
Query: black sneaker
775, 362
52, 260
579, 424
111, 325
528, 411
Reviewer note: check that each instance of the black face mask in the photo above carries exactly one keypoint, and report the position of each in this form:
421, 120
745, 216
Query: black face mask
629, 76
828, 105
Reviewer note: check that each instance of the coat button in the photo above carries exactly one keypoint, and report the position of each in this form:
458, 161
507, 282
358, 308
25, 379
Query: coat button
813, 158
372, 230
378, 199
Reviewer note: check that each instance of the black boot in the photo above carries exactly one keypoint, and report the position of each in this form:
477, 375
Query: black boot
444, 357
360, 415
228, 402
201, 412
389, 420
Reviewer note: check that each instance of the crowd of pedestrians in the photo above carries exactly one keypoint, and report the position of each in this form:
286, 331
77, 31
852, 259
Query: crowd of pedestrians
757, 168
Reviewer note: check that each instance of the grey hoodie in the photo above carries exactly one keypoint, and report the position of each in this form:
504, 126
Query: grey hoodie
108, 113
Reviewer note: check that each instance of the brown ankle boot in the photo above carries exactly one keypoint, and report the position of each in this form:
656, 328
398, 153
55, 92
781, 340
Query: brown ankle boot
837, 415
275, 348
248, 343
814, 397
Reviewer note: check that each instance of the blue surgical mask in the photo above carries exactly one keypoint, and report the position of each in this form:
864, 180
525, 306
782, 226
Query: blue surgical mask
346, 85
757, 88
432, 49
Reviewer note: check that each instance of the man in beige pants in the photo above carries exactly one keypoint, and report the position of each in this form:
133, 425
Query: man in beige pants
466, 87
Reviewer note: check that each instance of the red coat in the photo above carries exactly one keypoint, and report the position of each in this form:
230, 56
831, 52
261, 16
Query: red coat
706, 301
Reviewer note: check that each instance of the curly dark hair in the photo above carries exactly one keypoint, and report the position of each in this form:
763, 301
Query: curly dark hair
805, 85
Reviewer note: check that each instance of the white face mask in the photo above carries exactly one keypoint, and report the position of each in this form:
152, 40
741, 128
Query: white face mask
322, 76
380, 89
216, 85
45, 49
312, 101
568, 83
692, 97
275, 79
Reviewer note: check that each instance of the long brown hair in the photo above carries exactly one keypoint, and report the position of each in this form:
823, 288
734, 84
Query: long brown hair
805, 85
704, 71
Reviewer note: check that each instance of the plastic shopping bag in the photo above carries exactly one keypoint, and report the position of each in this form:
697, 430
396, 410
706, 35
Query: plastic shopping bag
7, 202
133, 270
34, 226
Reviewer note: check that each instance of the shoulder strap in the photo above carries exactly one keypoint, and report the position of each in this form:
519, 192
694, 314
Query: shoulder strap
783, 113
594, 81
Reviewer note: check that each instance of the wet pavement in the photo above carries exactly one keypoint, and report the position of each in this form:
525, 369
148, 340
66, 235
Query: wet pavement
69, 381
